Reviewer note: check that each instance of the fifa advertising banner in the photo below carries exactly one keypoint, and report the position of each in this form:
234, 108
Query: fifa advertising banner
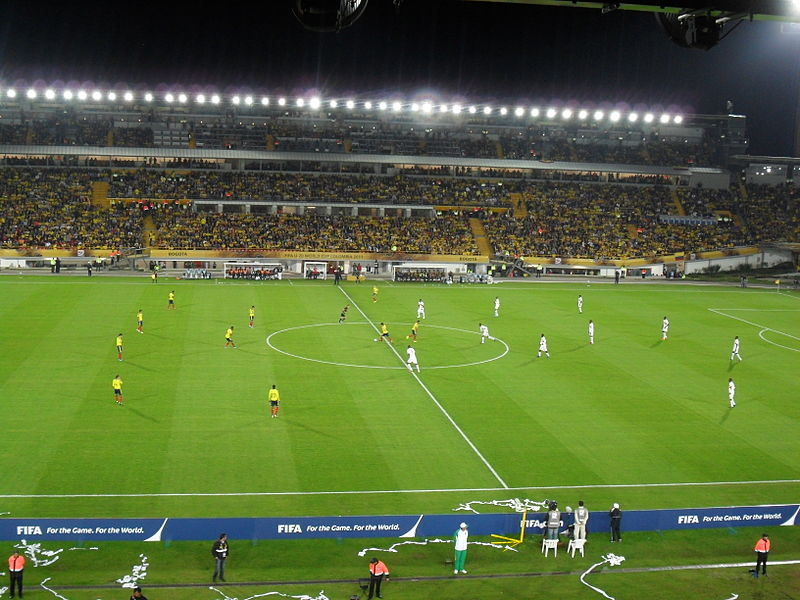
403, 526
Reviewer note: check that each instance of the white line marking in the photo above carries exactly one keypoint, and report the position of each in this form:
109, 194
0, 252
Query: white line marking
693, 567
601, 486
357, 366
764, 327
761, 335
430, 395
760, 309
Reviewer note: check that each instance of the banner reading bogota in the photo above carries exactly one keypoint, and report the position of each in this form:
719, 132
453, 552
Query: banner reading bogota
404, 526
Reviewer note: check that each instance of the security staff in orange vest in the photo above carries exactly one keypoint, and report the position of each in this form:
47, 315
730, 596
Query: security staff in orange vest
16, 564
377, 569
762, 552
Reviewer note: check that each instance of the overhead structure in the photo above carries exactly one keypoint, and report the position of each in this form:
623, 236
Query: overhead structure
328, 15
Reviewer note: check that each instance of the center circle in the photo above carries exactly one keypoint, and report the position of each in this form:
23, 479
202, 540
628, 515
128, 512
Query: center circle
271, 344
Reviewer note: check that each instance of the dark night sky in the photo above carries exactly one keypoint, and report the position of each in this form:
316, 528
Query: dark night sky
475, 51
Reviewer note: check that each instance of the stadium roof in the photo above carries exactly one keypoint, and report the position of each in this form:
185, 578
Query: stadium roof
448, 161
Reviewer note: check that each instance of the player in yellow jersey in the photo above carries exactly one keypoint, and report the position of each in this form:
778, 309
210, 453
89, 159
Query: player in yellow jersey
274, 401
385, 334
171, 301
140, 321
119, 346
413, 335
229, 337
252, 314
374, 293
116, 383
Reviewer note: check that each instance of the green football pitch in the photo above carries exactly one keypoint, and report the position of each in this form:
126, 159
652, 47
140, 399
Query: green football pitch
630, 419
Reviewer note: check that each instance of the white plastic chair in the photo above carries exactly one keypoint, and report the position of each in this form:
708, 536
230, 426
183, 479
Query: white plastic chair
548, 545
576, 545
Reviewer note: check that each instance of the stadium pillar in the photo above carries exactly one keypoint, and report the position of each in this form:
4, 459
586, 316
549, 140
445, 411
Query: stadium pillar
219, 207
247, 209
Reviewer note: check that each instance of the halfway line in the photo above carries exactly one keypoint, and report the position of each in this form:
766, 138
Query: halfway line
430, 395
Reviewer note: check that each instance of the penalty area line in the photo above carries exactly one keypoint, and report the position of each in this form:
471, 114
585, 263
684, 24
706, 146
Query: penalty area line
430, 395
599, 486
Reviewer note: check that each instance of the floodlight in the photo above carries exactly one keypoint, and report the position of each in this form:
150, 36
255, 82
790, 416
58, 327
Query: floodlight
519, 111
350, 104
487, 110
583, 114
598, 115
31, 94
382, 105
614, 116
128, 96
182, 98
82, 95
396, 106
11, 93
112, 96
97, 95
200, 99
504, 111
67, 95
333, 104
426, 107
535, 112
264, 101
566, 114
148, 97
49, 94
473, 109
281, 101
648, 118
456, 109
677, 120
443, 108
551, 113
414, 107
633, 117
169, 98
314, 103
300, 102
368, 105
236, 100
215, 99
248, 100
664, 119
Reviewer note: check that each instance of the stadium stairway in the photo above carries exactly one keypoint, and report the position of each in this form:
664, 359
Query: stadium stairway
519, 205
149, 232
348, 145
479, 233
633, 232
676, 203
100, 194
270, 143
110, 137
192, 140
498, 149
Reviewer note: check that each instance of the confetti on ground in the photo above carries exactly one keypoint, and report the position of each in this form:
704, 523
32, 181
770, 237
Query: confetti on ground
393, 547
320, 596
516, 504
137, 572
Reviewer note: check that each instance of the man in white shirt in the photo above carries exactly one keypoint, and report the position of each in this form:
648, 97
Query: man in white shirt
581, 519
591, 331
412, 359
460, 538
731, 392
484, 332
420, 309
496, 306
580, 303
735, 351
542, 347
664, 328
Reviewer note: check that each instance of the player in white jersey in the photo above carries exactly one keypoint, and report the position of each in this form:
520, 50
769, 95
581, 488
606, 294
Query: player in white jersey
542, 347
664, 328
580, 303
731, 392
420, 309
591, 331
484, 332
735, 351
412, 359
496, 306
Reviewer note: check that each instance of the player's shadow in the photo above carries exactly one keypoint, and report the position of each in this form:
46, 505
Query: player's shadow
658, 343
578, 347
133, 364
730, 366
307, 428
725, 416
142, 415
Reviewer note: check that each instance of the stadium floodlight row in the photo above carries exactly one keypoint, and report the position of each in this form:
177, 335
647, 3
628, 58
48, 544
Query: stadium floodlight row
315, 103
